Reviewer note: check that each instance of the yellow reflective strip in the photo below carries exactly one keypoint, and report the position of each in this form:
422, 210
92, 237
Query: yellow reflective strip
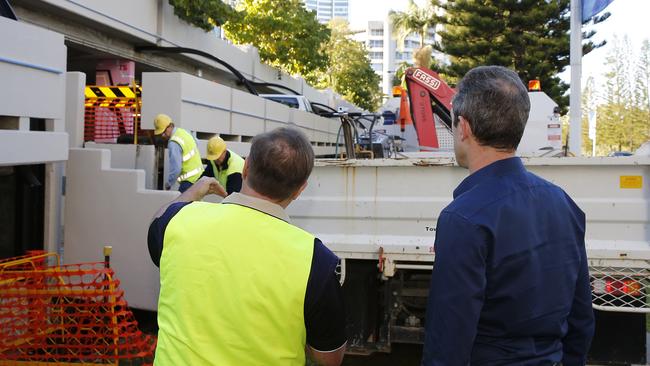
107, 92
178, 140
191, 173
128, 92
188, 156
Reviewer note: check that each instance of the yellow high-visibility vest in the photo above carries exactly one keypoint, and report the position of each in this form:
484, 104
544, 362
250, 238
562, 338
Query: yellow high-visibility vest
192, 167
232, 288
235, 165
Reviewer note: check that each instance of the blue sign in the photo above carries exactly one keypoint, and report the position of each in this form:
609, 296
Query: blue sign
593, 7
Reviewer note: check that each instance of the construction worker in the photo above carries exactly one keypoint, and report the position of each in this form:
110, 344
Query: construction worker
239, 284
185, 164
224, 165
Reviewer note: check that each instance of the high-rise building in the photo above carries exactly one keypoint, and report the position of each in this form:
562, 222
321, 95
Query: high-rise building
327, 10
384, 52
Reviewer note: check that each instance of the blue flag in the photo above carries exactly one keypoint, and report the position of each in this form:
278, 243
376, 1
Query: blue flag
593, 7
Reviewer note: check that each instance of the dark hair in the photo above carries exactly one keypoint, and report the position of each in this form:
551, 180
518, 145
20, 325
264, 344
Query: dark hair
279, 163
495, 103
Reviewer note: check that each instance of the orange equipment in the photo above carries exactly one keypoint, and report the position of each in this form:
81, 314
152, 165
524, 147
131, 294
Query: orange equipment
66, 314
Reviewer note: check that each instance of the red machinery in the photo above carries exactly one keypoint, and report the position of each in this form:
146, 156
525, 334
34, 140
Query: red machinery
430, 98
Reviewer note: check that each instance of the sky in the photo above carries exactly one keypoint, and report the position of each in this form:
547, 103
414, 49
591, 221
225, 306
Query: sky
629, 17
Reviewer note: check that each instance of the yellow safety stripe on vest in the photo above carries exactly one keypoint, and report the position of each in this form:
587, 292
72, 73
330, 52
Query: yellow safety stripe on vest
178, 140
189, 155
189, 174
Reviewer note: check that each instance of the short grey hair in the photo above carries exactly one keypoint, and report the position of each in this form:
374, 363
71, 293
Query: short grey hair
279, 163
496, 105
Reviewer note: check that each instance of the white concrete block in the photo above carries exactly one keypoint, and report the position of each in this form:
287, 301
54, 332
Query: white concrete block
205, 105
161, 93
32, 66
32, 147
75, 83
305, 121
96, 202
277, 113
247, 114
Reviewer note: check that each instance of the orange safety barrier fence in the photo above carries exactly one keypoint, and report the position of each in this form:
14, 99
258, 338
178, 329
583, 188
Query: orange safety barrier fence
51, 314
111, 112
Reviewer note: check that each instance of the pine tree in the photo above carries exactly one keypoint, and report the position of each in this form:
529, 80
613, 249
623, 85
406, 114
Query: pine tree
624, 119
528, 36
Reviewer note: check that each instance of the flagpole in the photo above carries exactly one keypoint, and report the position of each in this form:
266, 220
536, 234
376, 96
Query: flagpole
575, 108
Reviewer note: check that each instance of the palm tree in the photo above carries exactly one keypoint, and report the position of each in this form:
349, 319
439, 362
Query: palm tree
414, 20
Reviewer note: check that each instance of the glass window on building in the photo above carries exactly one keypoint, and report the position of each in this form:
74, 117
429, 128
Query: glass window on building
376, 43
376, 55
376, 32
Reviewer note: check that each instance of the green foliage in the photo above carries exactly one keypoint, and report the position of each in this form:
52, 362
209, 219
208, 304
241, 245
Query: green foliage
623, 111
205, 14
286, 34
414, 20
349, 72
530, 37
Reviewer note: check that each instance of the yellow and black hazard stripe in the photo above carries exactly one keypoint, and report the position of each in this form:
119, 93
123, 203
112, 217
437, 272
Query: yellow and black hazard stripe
109, 92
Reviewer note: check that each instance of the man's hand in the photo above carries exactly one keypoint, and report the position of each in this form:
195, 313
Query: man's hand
206, 186
200, 189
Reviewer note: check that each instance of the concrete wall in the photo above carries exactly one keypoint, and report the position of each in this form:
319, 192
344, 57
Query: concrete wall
154, 22
206, 108
75, 84
33, 85
123, 156
106, 206
32, 66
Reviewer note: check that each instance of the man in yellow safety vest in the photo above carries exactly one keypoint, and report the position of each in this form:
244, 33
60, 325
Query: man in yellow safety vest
185, 164
239, 284
224, 165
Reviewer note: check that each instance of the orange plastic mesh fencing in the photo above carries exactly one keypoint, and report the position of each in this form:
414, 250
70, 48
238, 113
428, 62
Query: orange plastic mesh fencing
111, 112
67, 314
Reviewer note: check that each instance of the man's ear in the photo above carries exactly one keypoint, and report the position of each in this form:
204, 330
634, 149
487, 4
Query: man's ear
299, 191
244, 172
465, 128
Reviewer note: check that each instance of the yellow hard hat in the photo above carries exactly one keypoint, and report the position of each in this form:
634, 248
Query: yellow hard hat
216, 147
160, 123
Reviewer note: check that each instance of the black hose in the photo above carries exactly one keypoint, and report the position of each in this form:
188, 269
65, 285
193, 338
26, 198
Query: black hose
273, 85
247, 83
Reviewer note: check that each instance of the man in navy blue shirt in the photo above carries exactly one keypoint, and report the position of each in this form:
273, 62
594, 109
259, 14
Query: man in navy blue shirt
510, 282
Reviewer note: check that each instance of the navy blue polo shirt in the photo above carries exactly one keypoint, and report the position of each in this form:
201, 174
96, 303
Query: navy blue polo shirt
510, 282
324, 309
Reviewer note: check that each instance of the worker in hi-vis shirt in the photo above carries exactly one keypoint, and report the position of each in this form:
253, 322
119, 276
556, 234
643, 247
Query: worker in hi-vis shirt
239, 283
185, 164
224, 165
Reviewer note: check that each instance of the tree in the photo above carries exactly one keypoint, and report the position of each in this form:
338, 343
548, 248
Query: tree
414, 20
624, 114
286, 34
349, 72
530, 37
205, 14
